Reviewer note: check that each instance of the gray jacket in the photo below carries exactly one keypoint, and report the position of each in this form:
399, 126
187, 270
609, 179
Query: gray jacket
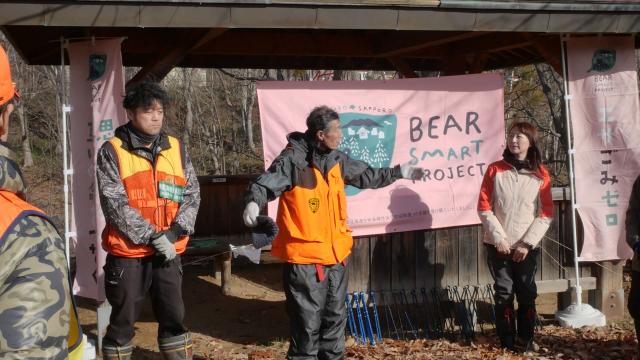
113, 196
632, 222
286, 170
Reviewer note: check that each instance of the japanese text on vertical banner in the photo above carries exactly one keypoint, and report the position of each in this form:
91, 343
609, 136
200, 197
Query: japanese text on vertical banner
97, 89
605, 120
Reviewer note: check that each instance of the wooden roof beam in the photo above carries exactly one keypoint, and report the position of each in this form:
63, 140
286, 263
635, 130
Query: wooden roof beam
174, 53
402, 67
550, 49
428, 44
289, 43
485, 44
479, 63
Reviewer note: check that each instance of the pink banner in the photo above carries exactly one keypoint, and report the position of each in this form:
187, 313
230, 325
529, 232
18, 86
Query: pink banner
451, 126
605, 117
97, 90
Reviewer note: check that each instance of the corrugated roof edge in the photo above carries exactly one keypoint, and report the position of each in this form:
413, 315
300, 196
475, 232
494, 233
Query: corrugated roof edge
545, 6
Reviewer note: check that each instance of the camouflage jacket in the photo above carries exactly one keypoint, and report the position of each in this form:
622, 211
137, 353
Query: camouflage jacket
632, 223
34, 284
113, 196
11, 178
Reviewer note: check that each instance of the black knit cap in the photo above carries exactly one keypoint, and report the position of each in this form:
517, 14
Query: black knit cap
264, 233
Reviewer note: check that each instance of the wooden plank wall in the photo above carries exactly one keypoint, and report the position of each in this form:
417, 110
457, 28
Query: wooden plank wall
410, 260
222, 205
451, 256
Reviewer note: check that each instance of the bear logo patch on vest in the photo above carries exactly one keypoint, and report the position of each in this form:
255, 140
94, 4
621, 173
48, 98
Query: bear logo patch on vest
314, 204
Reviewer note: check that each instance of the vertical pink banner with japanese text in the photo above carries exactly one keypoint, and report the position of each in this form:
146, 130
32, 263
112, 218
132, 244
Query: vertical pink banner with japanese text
451, 126
605, 116
97, 90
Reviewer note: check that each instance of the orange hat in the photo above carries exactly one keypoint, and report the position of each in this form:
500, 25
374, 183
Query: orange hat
7, 87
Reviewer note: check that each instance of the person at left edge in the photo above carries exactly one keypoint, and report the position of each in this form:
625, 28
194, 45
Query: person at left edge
38, 317
150, 196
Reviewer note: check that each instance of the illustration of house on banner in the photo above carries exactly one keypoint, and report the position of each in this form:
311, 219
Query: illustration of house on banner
363, 133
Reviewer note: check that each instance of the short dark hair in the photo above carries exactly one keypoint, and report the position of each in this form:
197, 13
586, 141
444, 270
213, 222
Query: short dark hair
144, 94
319, 119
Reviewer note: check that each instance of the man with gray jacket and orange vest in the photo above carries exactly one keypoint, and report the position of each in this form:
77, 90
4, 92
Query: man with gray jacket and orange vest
150, 196
314, 239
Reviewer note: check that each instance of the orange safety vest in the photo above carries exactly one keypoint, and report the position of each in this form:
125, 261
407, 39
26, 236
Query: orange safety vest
15, 209
144, 186
313, 222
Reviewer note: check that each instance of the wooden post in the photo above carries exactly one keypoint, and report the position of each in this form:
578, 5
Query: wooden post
217, 268
103, 312
610, 294
226, 273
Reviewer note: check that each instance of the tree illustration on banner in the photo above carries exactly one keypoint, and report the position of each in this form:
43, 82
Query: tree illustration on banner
369, 138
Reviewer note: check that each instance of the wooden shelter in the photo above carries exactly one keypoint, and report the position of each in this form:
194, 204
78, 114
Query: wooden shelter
448, 36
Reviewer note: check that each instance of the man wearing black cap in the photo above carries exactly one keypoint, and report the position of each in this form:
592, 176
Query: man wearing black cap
314, 239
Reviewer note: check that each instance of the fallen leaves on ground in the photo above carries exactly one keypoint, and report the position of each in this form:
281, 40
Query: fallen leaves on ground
605, 343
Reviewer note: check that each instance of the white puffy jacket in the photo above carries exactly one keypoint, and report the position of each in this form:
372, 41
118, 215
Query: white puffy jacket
515, 205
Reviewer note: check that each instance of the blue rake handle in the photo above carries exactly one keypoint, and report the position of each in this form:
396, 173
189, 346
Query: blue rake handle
356, 299
365, 312
375, 315
350, 320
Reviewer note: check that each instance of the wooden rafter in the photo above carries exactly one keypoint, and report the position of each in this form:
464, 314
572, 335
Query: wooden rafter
549, 48
429, 43
402, 67
175, 53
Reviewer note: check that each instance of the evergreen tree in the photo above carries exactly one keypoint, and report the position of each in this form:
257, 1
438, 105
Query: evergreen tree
364, 155
354, 147
380, 155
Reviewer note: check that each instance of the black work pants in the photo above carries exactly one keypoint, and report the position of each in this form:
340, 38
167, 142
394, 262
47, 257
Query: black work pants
127, 281
634, 301
316, 309
514, 279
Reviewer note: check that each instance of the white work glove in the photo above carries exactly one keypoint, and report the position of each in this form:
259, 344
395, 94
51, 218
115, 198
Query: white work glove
411, 172
250, 215
164, 247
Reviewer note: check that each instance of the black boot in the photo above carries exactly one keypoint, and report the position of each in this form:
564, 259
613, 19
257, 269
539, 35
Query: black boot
176, 347
113, 351
506, 326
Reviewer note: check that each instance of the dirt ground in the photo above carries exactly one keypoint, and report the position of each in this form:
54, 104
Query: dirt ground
251, 323
251, 318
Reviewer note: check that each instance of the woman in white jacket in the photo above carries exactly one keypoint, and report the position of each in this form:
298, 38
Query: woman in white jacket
516, 209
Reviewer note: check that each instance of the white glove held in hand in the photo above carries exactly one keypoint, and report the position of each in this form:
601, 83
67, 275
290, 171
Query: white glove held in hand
164, 247
250, 215
411, 172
